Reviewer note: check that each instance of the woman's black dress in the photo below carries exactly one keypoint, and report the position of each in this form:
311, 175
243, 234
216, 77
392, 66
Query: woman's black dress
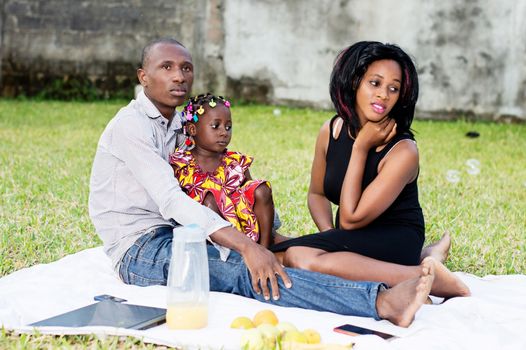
397, 235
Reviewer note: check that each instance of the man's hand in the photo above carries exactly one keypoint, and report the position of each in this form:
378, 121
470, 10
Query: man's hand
264, 268
262, 264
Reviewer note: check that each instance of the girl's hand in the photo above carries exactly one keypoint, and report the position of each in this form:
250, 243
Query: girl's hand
374, 134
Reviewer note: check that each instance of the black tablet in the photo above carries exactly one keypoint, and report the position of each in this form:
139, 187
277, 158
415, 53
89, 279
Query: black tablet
108, 313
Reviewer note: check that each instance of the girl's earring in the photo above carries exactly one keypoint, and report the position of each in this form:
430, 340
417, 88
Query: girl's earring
189, 143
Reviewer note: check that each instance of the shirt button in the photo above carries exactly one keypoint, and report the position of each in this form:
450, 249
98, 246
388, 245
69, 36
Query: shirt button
162, 123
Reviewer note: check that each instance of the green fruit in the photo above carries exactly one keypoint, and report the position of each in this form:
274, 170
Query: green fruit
312, 336
252, 339
285, 327
268, 330
294, 336
270, 334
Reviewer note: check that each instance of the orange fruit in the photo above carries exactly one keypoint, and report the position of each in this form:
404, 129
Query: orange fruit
242, 322
265, 316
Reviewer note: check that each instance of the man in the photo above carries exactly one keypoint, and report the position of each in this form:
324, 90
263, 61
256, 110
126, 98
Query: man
135, 202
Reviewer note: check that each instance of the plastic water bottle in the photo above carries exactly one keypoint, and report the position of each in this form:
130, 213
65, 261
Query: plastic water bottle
188, 280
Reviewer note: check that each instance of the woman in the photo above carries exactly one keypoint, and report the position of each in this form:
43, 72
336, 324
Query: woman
366, 161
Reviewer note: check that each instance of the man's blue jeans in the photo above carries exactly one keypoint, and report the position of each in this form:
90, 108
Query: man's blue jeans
147, 261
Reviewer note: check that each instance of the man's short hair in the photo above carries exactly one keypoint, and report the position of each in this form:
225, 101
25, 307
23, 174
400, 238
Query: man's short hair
146, 50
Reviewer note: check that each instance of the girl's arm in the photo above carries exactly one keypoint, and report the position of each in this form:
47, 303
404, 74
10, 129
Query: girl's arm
319, 206
248, 177
397, 169
265, 216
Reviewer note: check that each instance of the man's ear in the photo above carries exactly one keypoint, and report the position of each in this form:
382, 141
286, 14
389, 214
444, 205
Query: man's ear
143, 78
191, 129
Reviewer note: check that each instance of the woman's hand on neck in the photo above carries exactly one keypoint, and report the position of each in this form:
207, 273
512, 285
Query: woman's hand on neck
374, 134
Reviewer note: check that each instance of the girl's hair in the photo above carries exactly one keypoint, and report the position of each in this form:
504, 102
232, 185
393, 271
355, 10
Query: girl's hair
349, 69
195, 107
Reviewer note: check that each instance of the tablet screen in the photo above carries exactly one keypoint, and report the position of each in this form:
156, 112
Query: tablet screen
108, 313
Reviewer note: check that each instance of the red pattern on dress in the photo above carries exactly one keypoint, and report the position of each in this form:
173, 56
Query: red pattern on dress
233, 193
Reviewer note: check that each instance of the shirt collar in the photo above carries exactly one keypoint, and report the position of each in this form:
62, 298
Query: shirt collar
153, 113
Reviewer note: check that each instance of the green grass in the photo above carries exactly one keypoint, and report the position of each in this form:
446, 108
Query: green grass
46, 151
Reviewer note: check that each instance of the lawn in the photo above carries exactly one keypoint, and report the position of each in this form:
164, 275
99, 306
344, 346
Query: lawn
46, 151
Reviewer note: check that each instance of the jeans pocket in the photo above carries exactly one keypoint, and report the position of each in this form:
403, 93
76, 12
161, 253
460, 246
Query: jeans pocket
146, 262
143, 281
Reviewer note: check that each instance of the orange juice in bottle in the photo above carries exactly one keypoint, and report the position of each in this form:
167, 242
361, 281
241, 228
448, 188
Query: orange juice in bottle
187, 316
188, 280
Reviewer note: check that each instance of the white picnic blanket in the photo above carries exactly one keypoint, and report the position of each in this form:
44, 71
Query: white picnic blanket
493, 318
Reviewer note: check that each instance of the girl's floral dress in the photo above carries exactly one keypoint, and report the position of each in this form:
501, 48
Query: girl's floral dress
233, 193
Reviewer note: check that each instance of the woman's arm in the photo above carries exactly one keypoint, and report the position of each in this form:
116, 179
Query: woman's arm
397, 169
319, 206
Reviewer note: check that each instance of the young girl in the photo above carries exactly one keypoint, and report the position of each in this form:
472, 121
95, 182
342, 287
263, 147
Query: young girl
366, 162
218, 178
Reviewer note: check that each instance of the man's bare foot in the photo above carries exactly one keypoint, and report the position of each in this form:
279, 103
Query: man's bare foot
400, 303
446, 284
438, 250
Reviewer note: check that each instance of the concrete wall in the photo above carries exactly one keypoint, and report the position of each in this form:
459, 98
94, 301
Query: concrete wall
470, 55
99, 41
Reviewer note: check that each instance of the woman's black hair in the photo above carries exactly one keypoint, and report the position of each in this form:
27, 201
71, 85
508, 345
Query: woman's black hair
349, 69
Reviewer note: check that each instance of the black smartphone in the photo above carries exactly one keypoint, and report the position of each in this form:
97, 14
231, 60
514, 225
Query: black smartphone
349, 329
109, 297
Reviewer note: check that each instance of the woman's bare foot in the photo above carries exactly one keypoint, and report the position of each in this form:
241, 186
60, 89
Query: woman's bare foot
438, 250
446, 284
400, 303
